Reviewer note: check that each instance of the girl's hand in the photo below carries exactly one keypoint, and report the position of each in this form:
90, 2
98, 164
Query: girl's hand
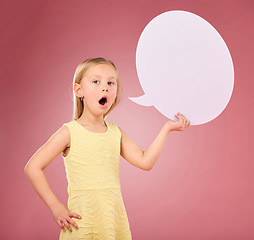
179, 125
63, 216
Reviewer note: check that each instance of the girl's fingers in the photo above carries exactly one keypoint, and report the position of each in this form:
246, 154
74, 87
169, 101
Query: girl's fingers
75, 215
185, 121
60, 224
178, 116
66, 224
181, 118
72, 222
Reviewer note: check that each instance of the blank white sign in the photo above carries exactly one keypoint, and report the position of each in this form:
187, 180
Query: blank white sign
184, 65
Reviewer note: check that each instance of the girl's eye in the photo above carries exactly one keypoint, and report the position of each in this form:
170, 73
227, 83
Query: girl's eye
96, 81
111, 83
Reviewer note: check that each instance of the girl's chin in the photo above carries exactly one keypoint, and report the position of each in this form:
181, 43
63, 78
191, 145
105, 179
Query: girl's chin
104, 108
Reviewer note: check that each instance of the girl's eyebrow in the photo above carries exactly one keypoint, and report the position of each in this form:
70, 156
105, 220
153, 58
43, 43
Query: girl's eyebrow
98, 76
95, 76
113, 78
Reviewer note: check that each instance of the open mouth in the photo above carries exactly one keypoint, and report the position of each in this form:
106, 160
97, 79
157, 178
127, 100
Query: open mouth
103, 101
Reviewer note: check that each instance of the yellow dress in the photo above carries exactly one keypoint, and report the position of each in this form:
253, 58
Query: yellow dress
92, 171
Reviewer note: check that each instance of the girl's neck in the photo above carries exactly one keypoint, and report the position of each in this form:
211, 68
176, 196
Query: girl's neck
91, 120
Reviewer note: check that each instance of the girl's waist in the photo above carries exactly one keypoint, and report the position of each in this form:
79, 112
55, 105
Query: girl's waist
77, 189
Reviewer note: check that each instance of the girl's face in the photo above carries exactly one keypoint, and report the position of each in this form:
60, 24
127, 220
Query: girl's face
99, 88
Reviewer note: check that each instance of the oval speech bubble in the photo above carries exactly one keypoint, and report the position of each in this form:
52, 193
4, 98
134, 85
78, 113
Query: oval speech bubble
184, 65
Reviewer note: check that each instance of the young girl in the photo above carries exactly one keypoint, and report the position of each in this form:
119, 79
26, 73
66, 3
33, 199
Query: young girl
91, 149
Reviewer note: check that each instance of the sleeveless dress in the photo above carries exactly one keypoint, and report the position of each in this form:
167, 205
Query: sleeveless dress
92, 171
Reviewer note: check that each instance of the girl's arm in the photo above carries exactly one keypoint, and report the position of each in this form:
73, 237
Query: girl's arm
34, 170
146, 159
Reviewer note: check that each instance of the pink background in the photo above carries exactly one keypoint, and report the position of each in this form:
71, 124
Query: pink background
201, 188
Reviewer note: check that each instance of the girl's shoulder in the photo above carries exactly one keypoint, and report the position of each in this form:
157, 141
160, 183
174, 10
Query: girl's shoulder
111, 124
58, 141
113, 127
69, 124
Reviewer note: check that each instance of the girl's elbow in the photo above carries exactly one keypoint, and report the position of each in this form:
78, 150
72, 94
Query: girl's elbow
144, 163
27, 169
147, 167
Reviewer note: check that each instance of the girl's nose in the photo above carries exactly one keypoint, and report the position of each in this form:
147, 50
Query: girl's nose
105, 89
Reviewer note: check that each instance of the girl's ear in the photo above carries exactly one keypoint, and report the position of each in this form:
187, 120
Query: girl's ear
77, 90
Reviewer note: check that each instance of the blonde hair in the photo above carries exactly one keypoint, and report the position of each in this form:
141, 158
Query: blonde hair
81, 70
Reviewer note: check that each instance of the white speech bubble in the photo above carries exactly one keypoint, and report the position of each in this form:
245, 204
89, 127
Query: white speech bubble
184, 65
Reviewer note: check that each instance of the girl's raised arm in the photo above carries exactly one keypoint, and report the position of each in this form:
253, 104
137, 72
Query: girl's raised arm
57, 143
146, 159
